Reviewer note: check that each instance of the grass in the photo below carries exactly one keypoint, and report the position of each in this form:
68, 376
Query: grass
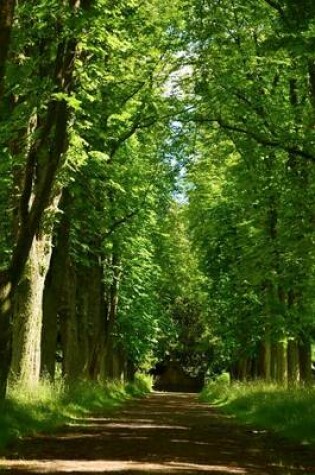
27, 412
289, 412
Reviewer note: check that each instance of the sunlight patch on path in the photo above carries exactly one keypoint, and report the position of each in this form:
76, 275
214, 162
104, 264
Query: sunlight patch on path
135, 425
66, 466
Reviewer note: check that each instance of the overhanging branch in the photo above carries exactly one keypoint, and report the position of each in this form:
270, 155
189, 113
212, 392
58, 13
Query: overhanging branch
260, 139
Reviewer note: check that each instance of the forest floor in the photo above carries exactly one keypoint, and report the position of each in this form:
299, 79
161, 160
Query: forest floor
161, 433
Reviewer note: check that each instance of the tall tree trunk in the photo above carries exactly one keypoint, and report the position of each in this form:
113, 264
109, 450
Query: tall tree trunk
50, 326
130, 371
265, 360
118, 372
91, 317
56, 293
281, 355
33, 202
69, 329
305, 360
5, 330
273, 362
6, 20
65, 281
84, 330
111, 313
293, 363
28, 308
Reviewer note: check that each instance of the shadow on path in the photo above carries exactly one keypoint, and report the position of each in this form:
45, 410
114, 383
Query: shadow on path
162, 433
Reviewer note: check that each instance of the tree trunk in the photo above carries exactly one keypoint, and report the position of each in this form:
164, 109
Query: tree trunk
65, 279
50, 327
6, 20
243, 369
28, 308
305, 360
130, 371
293, 363
273, 362
35, 197
5, 330
91, 328
84, 330
107, 368
281, 365
111, 313
118, 364
240, 369
265, 360
71, 351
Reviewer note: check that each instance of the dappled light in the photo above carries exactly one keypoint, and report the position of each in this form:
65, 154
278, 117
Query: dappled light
157, 237
149, 436
64, 466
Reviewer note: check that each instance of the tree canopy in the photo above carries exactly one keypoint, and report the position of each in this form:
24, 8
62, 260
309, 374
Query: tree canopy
156, 188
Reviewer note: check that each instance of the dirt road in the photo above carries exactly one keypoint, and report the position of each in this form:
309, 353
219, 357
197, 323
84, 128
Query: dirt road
163, 433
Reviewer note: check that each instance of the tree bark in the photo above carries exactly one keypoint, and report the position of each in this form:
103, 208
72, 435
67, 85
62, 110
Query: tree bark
265, 360
118, 364
7, 8
69, 329
91, 318
65, 278
305, 360
28, 308
130, 371
5, 330
293, 363
50, 326
273, 361
281, 365
111, 313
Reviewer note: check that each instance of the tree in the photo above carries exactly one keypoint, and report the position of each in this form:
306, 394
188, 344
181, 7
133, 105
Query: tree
6, 20
122, 157
252, 95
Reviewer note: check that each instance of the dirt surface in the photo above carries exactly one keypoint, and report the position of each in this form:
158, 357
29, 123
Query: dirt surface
162, 433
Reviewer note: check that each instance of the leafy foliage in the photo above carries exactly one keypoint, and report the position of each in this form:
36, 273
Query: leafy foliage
179, 139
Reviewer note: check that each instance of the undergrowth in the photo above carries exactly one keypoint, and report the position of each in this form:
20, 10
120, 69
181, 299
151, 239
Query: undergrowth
289, 412
52, 405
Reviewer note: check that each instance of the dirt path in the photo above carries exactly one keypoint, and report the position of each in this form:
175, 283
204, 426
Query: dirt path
164, 433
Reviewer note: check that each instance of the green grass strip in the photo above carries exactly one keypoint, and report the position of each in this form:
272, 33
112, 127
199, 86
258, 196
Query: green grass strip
50, 406
289, 412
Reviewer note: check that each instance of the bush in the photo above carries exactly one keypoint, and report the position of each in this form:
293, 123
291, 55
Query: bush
217, 390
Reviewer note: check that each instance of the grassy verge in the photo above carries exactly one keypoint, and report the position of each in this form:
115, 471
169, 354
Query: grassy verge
288, 412
52, 405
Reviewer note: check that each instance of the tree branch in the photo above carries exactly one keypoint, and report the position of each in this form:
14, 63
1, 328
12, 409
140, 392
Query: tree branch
260, 139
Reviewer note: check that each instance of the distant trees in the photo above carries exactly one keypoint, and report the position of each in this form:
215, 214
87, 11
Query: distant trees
183, 294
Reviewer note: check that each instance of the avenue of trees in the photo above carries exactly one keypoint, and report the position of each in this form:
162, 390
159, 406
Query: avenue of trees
157, 196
